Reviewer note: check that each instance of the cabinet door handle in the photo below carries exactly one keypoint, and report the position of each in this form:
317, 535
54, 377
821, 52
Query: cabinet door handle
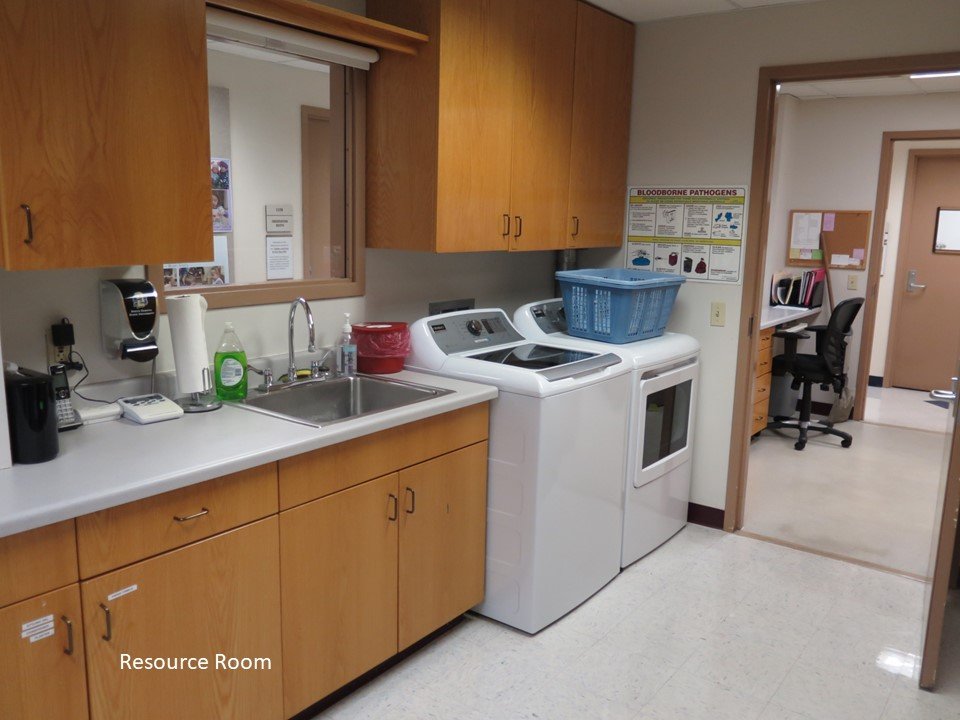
26, 210
576, 226
506, 224
68, 650
519, 226
106, 616
184, 518
413, 501
394, 505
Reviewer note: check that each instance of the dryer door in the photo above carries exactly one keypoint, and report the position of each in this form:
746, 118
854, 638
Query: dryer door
665, 420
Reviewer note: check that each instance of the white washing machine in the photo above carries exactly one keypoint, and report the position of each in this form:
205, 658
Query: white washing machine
556, 460
665, 370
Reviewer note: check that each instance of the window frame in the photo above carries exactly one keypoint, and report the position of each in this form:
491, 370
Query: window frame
280, 291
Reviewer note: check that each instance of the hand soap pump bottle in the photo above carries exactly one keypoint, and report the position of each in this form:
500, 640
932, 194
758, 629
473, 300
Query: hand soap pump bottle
230, 366
348, 349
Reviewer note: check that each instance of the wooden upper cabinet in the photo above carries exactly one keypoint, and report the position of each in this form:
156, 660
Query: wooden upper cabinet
103, 133
478, 143
543, 96
602, 93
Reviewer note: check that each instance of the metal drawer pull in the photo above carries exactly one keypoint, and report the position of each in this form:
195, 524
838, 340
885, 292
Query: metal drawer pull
184, 518
68, 650
506, 224
576, 226
394, 507
106, 613
519, 226
26, 209
413, 501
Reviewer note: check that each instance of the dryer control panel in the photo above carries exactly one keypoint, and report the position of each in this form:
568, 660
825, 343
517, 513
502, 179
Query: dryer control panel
459, 332
550, 316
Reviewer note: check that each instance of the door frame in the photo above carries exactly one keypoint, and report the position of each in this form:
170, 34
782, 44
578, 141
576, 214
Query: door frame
913, 156
758, 220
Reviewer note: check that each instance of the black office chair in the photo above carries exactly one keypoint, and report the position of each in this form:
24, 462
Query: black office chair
825, 368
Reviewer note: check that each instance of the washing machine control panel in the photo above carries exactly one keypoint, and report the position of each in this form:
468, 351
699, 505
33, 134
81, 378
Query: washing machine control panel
550, 316
472, 330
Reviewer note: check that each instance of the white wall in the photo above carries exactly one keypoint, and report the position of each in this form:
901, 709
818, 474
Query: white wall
898, 180
832, 161
694, 100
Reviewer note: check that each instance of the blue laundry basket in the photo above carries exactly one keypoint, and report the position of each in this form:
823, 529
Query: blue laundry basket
617, 305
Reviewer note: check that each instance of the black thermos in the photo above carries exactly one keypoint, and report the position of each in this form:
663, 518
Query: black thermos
32, 415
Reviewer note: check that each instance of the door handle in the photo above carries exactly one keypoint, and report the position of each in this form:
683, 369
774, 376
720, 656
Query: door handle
576, 226
26, 209
106, 615
68, 650
506, 224
519, 220
413, 501
394, 504
184, 518
912, 283
949, 395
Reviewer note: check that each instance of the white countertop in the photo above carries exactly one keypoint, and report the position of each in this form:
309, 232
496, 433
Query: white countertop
112, 463
773, 316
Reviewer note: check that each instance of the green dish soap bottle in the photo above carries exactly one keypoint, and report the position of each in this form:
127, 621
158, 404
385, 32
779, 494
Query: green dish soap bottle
230, 366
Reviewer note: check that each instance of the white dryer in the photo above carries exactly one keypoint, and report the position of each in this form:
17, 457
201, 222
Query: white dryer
662, 399
556, 460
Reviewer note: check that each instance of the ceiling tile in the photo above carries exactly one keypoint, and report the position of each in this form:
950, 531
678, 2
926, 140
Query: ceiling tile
646, 10
802, 90
937, 85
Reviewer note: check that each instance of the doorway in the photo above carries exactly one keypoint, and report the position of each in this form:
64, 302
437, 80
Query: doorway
756, 280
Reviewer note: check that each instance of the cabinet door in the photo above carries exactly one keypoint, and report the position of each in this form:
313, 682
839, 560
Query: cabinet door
475, 124
338, 559
541, 124
601, 128
41, 658
442, 540
218, 599
104, 133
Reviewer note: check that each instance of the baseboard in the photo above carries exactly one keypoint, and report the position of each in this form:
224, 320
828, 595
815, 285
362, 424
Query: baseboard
704, 515
875, 380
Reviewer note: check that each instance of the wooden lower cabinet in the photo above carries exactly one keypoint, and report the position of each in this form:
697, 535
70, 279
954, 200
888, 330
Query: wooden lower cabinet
42, 674
338, 560
442, 540
217, 596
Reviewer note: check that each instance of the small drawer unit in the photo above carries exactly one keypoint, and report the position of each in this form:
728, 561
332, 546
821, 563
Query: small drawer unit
762, 380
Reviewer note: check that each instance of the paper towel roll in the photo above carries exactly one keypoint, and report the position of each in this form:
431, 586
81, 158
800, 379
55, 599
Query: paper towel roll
186, 314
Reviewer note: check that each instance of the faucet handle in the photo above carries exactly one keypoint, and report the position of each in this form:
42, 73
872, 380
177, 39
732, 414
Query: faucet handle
316, 369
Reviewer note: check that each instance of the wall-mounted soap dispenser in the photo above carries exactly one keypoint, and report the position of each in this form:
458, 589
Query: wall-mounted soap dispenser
128, 315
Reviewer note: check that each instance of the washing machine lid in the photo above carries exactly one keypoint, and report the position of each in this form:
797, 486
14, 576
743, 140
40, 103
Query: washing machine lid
484, 346
545, 321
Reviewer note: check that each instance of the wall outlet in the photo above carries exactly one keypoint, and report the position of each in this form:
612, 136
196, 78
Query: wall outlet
55, 354
718, 314
851, 282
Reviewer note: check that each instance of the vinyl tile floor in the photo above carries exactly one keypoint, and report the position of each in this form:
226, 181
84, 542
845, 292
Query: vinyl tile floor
874, 501
710, 625
905, 408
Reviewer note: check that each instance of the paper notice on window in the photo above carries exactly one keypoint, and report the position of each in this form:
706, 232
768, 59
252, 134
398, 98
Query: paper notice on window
805, 233
279, 257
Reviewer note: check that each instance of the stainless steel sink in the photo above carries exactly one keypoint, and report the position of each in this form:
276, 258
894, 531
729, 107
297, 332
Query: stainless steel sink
323, 402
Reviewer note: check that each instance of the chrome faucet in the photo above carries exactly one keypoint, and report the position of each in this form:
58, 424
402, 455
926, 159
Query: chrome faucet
311, 347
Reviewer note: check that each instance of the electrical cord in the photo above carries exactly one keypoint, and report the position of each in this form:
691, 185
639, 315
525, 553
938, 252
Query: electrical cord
86, 374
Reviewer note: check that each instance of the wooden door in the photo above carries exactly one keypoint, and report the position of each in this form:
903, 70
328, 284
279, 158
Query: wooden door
475, 124
601, 129
442, 540
104, 133
542, 115
217, 599
42, 672
943, 554
925, 317
338, 559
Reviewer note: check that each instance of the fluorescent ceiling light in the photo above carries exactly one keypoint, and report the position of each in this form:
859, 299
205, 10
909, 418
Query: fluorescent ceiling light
922, 76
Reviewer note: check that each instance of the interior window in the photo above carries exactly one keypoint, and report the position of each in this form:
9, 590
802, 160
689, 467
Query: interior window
282, 173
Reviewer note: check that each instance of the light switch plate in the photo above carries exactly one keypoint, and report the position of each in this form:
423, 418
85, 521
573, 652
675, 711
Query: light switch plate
851, 282
718, 314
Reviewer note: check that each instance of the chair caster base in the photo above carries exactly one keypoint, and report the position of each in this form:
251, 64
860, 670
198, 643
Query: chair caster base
846, 442
799, 445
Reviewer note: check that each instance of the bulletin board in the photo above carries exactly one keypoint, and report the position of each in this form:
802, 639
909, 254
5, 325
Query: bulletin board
846, 236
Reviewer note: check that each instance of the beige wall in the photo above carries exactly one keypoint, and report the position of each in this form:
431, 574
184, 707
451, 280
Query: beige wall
694, 100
